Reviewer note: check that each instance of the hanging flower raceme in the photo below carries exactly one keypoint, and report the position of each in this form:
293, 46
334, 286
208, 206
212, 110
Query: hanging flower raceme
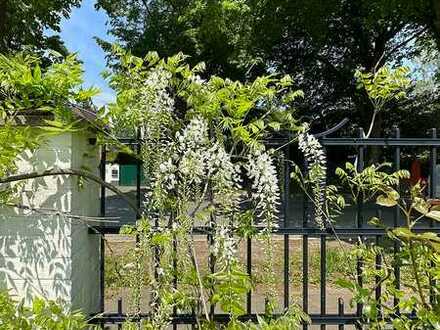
225, 176
187, 156
167, 170
265, 188
154, 94
265, 193
150, 105
195, 160
315, 158
225, 246
194, 135
312, 150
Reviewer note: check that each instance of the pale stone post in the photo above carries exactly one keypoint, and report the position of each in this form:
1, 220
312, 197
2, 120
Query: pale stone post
47, 254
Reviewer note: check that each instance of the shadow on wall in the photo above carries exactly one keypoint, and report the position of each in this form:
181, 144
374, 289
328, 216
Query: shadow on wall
35, 256
35, 245
43, 251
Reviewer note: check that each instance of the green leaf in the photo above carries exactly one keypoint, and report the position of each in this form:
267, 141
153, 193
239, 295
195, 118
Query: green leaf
38, 305
420, 205
433, 215
276, 126
344, 283
386, 200
403, 233
374, 221
37, 73
242, 134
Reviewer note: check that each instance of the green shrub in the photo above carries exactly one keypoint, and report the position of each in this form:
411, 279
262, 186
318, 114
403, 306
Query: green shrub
41, 315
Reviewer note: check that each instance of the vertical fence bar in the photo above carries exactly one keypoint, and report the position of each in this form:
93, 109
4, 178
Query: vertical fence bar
211, 261
102, 213
323, 279
286, 237
359, 218
120, 312
305, 261
102, 175
286, 271
396, 221
378, 262
340, 312
432, 194
305, 274
174, 270
138, 189
433, 165
138, 174
211, 257
323, 263
138, 193
249, 271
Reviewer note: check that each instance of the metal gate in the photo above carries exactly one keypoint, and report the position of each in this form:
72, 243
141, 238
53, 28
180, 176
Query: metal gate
305, 232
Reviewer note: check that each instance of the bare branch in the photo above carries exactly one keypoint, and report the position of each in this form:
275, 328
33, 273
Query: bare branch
70, 171
50, 211
395, 48
145, 3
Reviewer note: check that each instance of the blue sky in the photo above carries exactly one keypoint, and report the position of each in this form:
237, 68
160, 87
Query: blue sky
78, 33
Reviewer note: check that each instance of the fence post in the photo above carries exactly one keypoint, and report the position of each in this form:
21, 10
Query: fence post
286, 182
138, 173
120, 311
432, 194
305, 261
359, 218
433, 165
340, 312
378, 261
323, 256
396, 219
102, 242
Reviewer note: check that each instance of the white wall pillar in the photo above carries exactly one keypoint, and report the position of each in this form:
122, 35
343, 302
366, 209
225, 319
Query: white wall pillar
47, 254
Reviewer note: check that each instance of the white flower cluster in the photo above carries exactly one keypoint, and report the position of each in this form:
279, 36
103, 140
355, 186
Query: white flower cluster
167, 170
154, 95
194, 160
186, 158
316, 166
225, 175
312, 150
155, 106
224, 246
194, 135
196, 79
265, 190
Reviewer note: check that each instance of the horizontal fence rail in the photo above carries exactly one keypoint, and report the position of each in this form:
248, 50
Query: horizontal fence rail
306, 233
183, 319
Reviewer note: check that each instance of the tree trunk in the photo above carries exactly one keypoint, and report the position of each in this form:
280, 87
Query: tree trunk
374, 154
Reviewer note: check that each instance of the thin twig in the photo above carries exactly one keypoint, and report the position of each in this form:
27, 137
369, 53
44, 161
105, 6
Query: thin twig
49, 211
395, 48
194, 260
70, 171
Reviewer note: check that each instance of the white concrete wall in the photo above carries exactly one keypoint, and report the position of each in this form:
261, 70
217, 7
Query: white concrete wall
52, 255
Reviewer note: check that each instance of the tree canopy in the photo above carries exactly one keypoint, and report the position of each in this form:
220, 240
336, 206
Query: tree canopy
320, 43
23, 23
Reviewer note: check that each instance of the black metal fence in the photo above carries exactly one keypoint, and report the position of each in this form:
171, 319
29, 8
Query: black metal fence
360, 230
